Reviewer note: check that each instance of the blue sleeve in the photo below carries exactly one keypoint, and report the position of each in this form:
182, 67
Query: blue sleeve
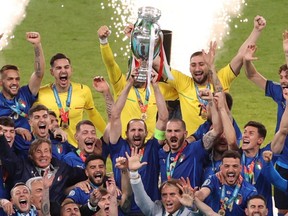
115, 148
76, 196
274, 91
29, 98
8, 158
238, 132
210, 183
67, 160
202, 129
274, 177
105, 149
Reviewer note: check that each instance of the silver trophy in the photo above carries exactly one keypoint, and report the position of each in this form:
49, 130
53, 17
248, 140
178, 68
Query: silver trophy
145, 33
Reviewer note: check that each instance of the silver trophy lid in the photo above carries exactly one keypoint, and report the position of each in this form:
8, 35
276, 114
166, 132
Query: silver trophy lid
149, 13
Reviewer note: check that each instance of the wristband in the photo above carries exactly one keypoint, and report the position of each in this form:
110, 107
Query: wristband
103, 41
134, 174
159, 135
92, 208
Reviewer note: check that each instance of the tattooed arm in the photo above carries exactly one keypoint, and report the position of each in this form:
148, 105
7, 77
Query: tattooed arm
208, 139
39, 62
209, 59
100, 85
47, 182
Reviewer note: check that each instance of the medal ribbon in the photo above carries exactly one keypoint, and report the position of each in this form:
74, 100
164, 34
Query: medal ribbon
249, 170
64, 113
203, 102
143, 106
224, 200
140, 152
17, 107
171, 167
81, 155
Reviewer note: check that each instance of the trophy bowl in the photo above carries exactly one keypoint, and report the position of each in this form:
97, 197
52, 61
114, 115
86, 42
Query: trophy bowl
141, 38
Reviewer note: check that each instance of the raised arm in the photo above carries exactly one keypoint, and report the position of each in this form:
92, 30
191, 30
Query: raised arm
250, 70
47, 182
228, 128
39, 62
237, 62
278, 141
112, 190
217, 130
204, 208
209, 60
101, 86
271, 173
140, 196
114, 72
160, 102
125, 202
115, 121
285, 45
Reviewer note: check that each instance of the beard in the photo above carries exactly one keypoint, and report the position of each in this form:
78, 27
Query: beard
201, 81
8, 91
94, 183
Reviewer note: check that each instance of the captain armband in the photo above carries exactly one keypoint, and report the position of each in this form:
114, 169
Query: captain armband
159, 135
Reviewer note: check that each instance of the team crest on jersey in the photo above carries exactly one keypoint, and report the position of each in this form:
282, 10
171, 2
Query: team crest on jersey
59, 178
22, 103
59, 148
258, 165
182, 157
239, 199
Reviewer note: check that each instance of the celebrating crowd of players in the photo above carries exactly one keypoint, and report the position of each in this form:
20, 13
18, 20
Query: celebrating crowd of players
52, 162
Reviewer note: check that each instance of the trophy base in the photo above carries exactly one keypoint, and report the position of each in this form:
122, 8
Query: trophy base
142, 76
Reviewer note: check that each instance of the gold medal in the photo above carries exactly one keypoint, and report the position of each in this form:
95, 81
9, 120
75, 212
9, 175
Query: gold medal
221, 212
144, 116
204, 114
65, 125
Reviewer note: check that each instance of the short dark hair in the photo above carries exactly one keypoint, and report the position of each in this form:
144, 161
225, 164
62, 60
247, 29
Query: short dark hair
283, 68
6, 121
8, 67
103, 191
183, 124
257, 196
84, 122
58, 56
231, 154
94, 157
198, 53
260, 127
50, 112
173, 182
37, 108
